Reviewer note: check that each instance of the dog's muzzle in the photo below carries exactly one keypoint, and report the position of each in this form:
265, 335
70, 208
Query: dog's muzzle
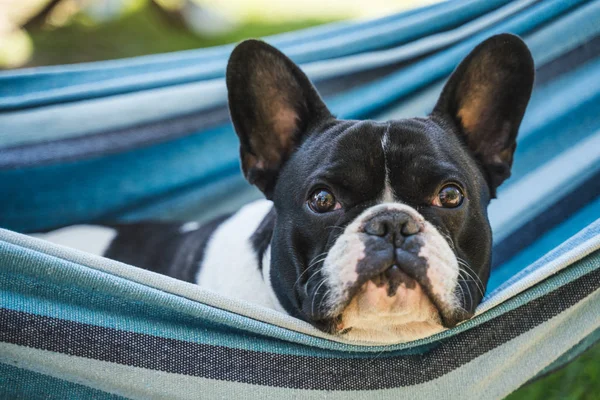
392, 249
388, 247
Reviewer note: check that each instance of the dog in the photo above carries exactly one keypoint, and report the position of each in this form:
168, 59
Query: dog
377, 231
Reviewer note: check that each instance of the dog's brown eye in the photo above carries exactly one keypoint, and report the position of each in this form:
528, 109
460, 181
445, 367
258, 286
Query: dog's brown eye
322, 201
449, 197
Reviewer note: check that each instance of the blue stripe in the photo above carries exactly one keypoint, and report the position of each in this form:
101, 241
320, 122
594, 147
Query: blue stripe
575, 28
44, 198
68, 291
559, 116
89, 296
20, 127
27, 89
544, 244
20, 383
363, 101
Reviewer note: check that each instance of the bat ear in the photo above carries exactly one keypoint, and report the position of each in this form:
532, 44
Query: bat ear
273, 105
486, 97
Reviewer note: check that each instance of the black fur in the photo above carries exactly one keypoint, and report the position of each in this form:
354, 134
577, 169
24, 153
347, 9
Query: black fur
469, 139
486, 98
261, 239
274, 102
161, 247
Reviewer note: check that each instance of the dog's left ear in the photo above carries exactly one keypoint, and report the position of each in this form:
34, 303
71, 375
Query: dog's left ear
486, 97
272, 105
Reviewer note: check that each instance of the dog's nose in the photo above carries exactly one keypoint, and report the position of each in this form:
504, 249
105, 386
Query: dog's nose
393, 226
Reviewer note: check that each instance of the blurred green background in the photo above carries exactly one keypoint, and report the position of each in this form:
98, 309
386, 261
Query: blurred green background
45, 32
50, 32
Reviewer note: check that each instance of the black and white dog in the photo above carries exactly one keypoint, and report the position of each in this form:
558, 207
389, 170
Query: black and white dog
374, 230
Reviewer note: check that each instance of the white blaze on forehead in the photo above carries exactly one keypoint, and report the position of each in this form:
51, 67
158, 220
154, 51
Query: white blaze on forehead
387, 195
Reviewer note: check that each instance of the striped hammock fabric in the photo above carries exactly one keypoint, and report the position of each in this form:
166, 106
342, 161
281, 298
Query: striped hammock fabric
149, 138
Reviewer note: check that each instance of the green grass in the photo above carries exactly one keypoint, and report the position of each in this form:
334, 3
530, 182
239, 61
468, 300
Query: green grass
146, 32
579, 380
141, 32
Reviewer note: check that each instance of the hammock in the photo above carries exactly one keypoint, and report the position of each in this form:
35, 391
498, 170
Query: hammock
149, 138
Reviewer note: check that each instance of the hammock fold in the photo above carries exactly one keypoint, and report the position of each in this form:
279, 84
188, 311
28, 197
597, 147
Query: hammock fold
149, 138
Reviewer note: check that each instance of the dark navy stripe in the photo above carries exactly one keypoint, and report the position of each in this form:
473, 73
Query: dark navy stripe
116, 140
111, 142
551, 216
51, 77
119, 140
380, 371
568, 61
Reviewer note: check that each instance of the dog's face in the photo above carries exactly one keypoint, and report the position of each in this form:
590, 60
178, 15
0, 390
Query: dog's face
381, 228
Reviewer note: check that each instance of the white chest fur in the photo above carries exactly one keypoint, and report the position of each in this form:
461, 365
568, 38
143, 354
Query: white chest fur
230, 266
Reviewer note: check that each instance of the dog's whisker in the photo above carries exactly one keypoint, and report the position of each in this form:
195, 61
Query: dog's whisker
460, 287
472, 271
314, 262
315, 257
472, 274
469, 277
449, 239
312, 276
462, 293
471, 300
300, 277
305, 271
312, 307
460, 307
464, 297
323, 298
375, 358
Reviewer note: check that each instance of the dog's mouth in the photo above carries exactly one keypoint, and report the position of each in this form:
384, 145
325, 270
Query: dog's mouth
398, 279
392, 278
395, 288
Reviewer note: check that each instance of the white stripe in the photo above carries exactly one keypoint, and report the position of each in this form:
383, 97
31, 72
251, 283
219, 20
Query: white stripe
530, 277
540, 188
112, 112
493, 375
346, 65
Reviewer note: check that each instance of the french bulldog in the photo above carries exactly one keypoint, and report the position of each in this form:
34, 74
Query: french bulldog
377, 231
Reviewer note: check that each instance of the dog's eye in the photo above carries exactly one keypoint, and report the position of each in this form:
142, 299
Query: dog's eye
449, 197
321, 201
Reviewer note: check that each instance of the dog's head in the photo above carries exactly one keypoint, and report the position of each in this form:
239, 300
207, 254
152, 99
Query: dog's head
381, 228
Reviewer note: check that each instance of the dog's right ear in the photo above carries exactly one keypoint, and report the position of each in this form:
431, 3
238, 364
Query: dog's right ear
272, 105
486, 97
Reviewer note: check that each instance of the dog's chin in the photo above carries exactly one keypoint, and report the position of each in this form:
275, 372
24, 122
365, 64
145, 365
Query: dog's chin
373, 315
